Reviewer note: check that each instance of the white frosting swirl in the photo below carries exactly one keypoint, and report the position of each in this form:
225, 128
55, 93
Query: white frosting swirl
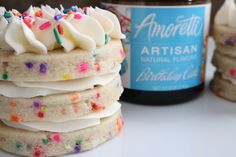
22, 39
89, 120
34, 89
25, 34
226, 14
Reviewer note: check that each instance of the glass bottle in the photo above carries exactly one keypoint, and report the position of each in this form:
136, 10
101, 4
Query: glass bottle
166, 49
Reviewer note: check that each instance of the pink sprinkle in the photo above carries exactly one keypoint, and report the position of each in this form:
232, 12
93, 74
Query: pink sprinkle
55, 137
83, 67
122, 54
25, 13
45, 25
98, 67
232, 73
78, 16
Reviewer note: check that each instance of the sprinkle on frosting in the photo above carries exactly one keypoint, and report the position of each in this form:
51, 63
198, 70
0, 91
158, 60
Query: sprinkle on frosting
78, 16
57, 36
58, 17
45, 25
60, 29
38, 13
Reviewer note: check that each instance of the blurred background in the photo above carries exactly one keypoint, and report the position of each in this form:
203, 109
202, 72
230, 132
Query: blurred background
22, 5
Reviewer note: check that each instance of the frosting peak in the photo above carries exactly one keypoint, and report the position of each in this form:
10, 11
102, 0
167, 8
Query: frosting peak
226, 14
39, 30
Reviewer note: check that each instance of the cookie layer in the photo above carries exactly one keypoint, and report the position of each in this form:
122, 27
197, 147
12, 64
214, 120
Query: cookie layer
41, 144
225, 64
60, 107
58, 65
223, 88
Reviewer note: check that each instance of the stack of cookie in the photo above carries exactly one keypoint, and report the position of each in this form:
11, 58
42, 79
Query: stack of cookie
60, 82
224, 59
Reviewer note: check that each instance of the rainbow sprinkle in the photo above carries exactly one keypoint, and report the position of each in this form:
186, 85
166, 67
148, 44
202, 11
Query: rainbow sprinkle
19, 146
83, 67
45, 141
15, 118
58, 17
57, 36
65, 11
43, 68
5, 76
37, 104
107, 39
55, 137
60, 29
77, 148
39, 13
28, 21
25, 14
45, 25
78, 16
41, 114
7, 15
29, 65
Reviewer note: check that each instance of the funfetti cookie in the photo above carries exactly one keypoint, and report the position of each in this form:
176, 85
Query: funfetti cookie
224, 88
59, 80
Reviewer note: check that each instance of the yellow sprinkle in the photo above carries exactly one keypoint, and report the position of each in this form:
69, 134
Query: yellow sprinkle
120, 59
43, 108
66, 77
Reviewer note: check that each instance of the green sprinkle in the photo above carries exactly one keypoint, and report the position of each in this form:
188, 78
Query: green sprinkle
5, 76
78, 142
45, 141
7, 14
107, 39
57, 36
19, 146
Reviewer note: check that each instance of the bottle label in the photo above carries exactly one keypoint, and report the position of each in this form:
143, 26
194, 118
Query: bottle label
165, 46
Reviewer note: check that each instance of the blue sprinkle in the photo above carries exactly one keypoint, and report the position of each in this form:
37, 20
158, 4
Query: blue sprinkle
58, 17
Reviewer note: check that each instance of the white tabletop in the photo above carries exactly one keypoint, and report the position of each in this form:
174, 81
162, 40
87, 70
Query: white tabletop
205, 127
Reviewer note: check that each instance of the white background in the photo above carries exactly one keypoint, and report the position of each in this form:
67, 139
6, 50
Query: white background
205, 127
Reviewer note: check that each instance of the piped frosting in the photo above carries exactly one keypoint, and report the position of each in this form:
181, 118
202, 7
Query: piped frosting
40, 30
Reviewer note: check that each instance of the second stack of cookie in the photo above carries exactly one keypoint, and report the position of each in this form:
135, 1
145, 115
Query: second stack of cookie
224, 59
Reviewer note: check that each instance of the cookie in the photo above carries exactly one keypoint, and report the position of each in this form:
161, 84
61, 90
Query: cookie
41, 144
225, 64
223, 88
58, 65
60, 106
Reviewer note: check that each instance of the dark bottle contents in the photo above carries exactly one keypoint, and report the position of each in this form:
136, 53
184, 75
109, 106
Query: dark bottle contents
165, 49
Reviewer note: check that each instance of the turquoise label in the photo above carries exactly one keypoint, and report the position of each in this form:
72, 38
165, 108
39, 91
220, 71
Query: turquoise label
166, 48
